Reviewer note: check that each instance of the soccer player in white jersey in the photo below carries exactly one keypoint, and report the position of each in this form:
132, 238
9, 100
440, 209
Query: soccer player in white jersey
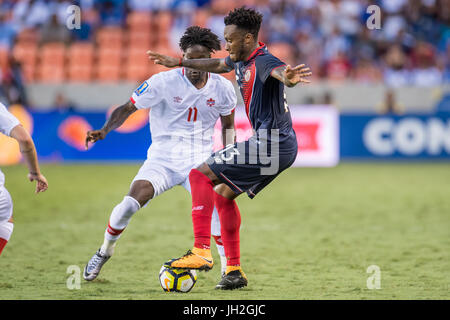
10, 126
185, 105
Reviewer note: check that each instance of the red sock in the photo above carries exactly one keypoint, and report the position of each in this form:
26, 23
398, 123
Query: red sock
230, 222
202, 208
3, 243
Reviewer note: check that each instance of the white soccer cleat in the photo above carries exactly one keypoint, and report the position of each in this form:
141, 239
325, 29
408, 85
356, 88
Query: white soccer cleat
93, 267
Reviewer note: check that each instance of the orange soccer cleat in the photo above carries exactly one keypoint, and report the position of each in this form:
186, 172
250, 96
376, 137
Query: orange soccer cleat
198, 259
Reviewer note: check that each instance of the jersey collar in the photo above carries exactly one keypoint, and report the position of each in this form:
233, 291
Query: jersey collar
190, 83
254, 53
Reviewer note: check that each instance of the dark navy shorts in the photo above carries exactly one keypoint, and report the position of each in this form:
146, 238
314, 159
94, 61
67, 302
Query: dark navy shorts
251, 165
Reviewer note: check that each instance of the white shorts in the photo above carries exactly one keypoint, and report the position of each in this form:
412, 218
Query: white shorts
164, 177
6, 204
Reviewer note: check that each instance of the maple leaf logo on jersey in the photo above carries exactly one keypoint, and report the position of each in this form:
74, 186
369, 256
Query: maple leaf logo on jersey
211, 102
177, 99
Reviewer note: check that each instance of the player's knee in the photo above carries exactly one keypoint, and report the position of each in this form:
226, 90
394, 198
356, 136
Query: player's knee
204, 170
142, 191
225, 191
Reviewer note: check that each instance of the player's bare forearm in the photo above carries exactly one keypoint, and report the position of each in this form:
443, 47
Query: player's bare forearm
27, 148
28, 151
208, 65
118, 117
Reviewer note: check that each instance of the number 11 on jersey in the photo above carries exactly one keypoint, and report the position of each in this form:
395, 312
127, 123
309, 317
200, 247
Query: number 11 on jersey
192, 110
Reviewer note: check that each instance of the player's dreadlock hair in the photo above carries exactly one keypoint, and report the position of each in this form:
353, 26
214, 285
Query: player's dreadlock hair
246, 19
202, 36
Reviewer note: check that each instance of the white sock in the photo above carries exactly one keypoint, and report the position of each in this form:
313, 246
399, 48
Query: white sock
223, 264
118, 221
108, 247
223, 259
6, 229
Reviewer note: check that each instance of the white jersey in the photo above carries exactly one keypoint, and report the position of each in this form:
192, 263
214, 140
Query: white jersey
7, 123
182, 117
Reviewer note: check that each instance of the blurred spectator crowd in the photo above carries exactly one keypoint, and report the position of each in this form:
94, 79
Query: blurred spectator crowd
412, 48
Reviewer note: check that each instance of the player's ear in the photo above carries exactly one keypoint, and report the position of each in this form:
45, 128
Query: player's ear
248, 38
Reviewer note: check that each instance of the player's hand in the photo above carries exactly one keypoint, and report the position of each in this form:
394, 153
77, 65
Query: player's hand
94, 136
164, 60
41, 181
297, 74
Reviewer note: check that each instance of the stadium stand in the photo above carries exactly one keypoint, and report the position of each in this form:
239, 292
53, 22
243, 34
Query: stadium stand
411, 49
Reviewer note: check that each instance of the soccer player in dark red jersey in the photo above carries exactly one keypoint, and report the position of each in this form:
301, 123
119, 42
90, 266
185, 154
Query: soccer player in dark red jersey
246, 166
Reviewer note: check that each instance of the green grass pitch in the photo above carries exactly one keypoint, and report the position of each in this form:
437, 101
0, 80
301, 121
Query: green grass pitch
311, 234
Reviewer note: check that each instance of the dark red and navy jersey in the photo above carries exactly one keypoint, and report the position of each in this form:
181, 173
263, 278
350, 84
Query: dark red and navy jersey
264, 96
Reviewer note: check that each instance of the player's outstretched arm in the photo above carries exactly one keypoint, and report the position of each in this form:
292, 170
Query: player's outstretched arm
117, 118
291, 76
28, 151
208, 65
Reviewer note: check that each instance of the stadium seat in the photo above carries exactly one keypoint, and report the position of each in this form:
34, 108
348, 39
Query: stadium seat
139, 21
54, 53
137, 72
81, 59
26, 54
137, 65
110, 37
164, 22
81, 52
283, 51
201, 18
50, 73
139, 40
80, 73
108, 73
109, 55
51, 63
28, 36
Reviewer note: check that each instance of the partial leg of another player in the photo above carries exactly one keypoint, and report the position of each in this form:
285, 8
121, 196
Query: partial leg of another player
215, 230
6, 224
204, 198
216, 234
230, 222
202, 191
140, 193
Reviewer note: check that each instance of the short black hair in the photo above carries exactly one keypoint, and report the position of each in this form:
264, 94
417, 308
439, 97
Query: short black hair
196, 35
246, 19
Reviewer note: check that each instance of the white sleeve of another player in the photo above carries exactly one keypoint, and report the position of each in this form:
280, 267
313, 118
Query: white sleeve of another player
149, 93
7, 121
229, 99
